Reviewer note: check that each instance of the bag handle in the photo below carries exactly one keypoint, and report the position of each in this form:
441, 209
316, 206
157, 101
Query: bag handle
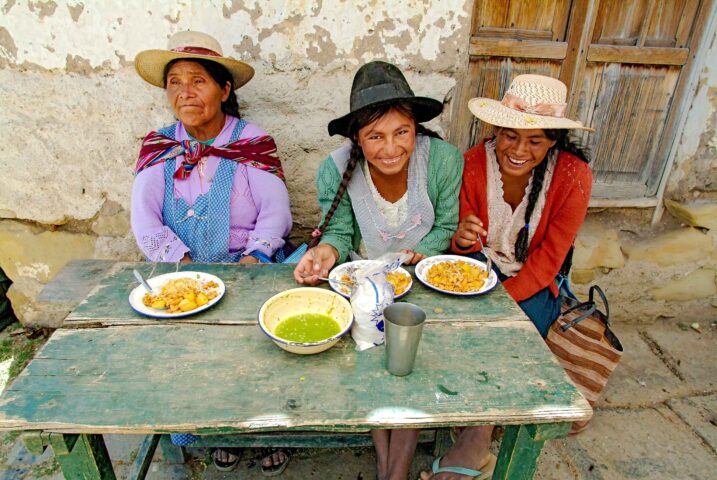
591, 309
597, 289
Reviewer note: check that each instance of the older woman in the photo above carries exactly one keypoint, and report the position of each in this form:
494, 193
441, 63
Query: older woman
525, 192
209, 187
394, 186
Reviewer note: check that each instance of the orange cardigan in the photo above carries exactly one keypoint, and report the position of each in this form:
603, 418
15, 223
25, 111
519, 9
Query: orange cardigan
566, 205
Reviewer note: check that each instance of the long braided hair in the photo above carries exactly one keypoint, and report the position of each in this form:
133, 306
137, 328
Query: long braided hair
219, 74
562, 144
362, 118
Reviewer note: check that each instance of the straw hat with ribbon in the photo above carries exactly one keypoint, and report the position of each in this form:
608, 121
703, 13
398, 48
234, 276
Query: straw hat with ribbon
532, 101
378, 83
188, 45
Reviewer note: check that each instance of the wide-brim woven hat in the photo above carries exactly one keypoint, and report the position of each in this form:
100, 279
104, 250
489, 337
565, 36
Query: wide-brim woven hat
150, 64
532, 101
378, 83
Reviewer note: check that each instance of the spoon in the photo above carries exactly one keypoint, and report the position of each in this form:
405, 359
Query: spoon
330, 280
141, 280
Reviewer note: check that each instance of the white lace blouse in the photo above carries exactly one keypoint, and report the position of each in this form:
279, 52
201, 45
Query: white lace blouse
504, 224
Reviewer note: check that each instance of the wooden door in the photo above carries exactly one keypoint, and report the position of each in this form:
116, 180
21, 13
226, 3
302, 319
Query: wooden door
626, 64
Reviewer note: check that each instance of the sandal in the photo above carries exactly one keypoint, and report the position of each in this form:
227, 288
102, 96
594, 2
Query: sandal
484, 473
278, 469
223, 466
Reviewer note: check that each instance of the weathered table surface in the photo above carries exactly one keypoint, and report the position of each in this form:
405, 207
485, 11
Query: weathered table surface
247, 288
480, 361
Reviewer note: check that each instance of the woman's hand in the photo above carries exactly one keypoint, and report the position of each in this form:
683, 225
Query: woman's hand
316, 263
186, 258
468, 230
417, 257
248, 259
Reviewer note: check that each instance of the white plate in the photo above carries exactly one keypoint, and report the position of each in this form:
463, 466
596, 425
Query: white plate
136, 295
426, 263
350, 267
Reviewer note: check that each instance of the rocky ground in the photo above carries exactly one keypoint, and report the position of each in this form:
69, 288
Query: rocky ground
657, 419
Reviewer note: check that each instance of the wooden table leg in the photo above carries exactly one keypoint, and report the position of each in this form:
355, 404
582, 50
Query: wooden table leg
521, 446
141, 464
173, 454
82, 456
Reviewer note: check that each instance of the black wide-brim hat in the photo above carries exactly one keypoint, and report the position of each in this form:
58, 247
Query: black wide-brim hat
379, 83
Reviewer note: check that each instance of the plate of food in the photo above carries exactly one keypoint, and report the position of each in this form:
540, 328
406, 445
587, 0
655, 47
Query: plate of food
456, 275
400, 278
177, 294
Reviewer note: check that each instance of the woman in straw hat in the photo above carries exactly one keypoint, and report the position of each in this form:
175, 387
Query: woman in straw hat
209, 187
525, 192
394, 186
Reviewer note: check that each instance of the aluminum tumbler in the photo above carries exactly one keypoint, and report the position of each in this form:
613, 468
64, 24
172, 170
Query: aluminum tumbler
404, 326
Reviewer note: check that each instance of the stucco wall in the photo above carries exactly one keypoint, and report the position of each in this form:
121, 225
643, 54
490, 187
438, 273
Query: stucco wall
74, 111
695, 170
73, 114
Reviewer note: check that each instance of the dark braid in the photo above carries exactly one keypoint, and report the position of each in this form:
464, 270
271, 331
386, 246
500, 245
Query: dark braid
219, 74
562, 144
356, 155
362, 118
521, 244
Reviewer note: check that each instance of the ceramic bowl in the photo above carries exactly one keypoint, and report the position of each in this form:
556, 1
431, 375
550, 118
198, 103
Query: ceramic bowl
305, 300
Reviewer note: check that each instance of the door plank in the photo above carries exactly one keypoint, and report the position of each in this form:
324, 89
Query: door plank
632, 104
647, 21
498, 47
584, 16
686, 18
640, 55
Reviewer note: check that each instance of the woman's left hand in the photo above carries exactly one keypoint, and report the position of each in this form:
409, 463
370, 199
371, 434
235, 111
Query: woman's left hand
417, 257
248, 259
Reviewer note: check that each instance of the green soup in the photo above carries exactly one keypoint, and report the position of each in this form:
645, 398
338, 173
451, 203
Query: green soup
307, 328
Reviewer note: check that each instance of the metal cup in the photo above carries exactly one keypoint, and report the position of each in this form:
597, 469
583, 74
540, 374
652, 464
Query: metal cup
404, 326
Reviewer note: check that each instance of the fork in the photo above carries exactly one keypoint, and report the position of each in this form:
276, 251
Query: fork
489, 262
330, 280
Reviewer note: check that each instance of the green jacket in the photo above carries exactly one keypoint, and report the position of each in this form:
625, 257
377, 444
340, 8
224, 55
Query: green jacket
445, 170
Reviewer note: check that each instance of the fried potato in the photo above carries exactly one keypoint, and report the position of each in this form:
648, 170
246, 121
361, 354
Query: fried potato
181, 295
400, 282
460, 276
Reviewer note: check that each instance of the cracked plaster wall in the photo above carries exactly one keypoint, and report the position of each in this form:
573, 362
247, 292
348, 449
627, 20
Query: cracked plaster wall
74, 111
694, 173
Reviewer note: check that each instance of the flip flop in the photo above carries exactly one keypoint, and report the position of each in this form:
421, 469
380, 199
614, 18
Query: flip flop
226, 466
275, 470
485, 473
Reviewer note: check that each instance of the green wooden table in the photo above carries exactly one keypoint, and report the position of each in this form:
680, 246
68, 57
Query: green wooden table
112, 371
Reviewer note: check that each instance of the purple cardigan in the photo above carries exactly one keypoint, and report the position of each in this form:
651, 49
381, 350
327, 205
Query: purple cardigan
259, 213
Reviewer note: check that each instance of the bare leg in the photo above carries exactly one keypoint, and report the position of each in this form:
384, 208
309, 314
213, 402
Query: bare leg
380, 442
394, 452
402, 447
471, 451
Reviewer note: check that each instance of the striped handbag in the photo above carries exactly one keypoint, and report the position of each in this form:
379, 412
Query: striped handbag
585, 346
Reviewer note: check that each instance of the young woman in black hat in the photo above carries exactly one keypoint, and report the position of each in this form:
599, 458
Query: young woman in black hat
393, 187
